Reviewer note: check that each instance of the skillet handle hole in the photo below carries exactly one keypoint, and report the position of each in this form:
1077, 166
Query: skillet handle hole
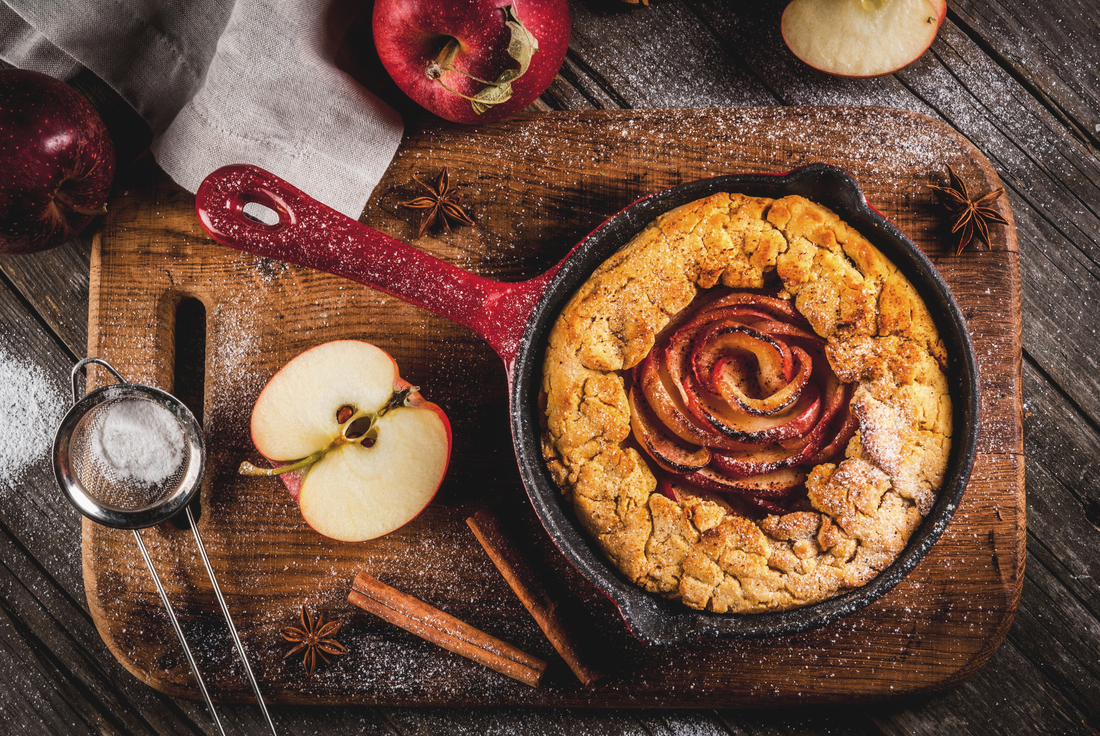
261, 213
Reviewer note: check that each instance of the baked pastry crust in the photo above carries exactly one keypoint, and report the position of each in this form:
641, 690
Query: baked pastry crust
879, 335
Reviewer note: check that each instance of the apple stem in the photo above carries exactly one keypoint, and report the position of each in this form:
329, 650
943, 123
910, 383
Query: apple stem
436, 70
59, 195
248, 468
521, 47
442, 64
397, 399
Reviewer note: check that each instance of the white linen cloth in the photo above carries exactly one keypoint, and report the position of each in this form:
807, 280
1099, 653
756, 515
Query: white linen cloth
223, 81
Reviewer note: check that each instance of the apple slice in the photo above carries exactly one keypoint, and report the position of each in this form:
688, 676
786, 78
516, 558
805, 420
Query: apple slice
772, 366
665, 449
861, 38
778, 484
778, 307
794, 422
666, 400
358, 447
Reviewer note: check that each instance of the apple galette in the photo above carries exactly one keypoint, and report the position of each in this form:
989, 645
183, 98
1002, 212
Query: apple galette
747, 407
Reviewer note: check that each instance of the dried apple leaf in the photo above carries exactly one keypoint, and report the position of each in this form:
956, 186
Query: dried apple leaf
521, 47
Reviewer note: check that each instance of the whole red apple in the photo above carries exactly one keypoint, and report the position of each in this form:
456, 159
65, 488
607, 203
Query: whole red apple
56, 162
472, 61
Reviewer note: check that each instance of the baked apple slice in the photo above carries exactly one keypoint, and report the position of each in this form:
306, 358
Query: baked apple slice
776, 485
665, 448
357, 446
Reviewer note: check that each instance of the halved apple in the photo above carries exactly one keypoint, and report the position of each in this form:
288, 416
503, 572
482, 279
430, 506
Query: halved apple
357, 446
861, 38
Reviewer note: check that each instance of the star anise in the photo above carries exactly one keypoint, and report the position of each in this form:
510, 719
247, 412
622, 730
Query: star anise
315, 638
440, 204
970, 216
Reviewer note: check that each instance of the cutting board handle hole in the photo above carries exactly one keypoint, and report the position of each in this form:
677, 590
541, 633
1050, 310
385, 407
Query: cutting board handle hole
189, 371
261, 213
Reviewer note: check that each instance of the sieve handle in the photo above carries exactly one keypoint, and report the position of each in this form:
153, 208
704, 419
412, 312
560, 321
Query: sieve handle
176, 625
76, 374
229, 620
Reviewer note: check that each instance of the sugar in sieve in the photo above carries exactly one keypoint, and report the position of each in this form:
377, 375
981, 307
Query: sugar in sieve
130, 456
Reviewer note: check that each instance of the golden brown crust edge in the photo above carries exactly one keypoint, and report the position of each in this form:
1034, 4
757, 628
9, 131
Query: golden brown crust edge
879, 334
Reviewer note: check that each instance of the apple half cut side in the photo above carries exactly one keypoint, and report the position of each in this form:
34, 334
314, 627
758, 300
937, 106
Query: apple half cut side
861, 38
358, 447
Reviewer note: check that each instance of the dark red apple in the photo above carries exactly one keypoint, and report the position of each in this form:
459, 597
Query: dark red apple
472, 61
56, 162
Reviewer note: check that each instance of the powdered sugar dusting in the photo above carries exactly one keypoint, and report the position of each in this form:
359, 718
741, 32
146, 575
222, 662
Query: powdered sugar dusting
31, 407
139, 440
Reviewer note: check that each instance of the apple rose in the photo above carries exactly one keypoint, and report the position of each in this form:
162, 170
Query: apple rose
738, 397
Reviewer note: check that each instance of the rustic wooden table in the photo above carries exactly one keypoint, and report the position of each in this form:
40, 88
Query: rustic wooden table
1021, 81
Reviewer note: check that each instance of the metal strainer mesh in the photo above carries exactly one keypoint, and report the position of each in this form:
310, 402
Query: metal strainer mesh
120, 481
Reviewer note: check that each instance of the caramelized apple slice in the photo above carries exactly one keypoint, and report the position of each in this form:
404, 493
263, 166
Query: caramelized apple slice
681, 345
739, 504
665, 400
774, 361
729, 385
808, 449
779, 307
763, 461
843, 435
775, 485
795, 422
766, 505
666, 451
790, 332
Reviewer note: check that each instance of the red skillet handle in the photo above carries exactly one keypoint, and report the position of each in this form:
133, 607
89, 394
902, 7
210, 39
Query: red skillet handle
311, 234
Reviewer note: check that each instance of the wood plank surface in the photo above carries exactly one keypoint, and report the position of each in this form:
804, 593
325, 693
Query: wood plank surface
554, 177
1018, 79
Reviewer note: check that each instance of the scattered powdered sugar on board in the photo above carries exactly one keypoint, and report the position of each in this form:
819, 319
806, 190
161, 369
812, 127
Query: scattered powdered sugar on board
31, 407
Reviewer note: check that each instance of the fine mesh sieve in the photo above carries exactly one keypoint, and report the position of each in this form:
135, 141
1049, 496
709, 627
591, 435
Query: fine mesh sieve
130, 456
112, 482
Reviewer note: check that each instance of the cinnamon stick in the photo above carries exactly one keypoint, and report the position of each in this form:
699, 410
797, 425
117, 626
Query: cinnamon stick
518, 573
443, 629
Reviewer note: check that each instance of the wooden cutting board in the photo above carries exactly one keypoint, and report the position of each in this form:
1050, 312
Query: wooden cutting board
170, 308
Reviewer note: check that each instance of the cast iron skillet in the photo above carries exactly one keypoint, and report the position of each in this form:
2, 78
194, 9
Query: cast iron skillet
515, 319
